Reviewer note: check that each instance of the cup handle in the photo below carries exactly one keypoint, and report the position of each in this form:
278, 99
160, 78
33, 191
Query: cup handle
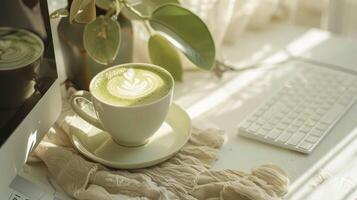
78, 108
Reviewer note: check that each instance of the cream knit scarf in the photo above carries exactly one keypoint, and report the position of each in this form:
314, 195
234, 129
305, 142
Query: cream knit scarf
185, 176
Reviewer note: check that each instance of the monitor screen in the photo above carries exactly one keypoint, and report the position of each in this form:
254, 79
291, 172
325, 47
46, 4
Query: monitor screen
27, 61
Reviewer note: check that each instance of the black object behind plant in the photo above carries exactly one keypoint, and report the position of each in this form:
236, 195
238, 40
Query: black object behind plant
80, 67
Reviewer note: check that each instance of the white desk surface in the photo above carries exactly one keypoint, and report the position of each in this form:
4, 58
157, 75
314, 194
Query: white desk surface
225, 102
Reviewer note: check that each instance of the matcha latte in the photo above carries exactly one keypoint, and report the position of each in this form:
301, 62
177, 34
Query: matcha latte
131, 101
18, 48
131, 85
20, 59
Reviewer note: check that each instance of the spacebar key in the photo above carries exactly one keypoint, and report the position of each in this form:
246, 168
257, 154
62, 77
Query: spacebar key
333, 114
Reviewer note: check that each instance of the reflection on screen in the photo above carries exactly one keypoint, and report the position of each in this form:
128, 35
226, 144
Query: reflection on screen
23, 84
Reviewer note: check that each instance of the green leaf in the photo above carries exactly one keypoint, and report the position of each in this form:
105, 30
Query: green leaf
163, 54
62, 12
76, 6
146, 7
101, 39
87, 14
109, 4
187, 32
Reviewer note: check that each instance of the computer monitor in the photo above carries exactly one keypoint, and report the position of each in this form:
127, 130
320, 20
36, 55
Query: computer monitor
25, 119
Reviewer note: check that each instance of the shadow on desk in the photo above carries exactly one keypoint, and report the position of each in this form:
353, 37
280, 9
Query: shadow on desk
226, 102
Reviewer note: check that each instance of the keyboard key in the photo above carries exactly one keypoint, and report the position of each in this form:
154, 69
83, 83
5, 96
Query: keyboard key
314, 106
296, 138
300, 108
284, 137
291, 105
310, 122
322, 126
292, 115
302, 118
253, 128
261, 121
274, 134
306, 145
273, 121
330, 101
305, 129
286, 121
306, 115
285, 111
268, 127
298, 123
292, 129
317, 132
262, 132
267, 115
278, 116
282, 126
312, 138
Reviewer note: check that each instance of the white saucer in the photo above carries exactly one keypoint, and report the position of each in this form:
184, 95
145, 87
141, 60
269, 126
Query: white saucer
98, 146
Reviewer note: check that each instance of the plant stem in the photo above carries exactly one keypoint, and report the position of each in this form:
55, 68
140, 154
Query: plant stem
148, 27
138, 14
117, 8
133, 10
109, 12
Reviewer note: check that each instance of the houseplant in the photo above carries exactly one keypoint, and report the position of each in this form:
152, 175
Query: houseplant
173, 30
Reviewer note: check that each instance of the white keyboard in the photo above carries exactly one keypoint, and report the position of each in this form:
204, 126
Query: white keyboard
303, 111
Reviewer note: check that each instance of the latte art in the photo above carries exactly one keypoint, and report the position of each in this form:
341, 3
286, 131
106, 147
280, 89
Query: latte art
11, 52
18, 48
131, 86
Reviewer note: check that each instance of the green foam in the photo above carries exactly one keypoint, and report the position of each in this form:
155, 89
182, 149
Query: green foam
131, 86
18, 48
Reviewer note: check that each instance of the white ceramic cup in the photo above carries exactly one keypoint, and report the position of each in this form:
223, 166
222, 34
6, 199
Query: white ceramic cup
128, 125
